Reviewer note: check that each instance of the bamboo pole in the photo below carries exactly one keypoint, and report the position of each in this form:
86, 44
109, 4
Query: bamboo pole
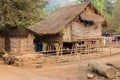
110, 49
72, 51
85, 46
76, 48
61, 48
102, 45
88, 46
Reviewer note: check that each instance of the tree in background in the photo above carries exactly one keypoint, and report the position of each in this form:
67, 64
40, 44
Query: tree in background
99, 4
116, 19
82, 1
107, 12
108, 6
20, 13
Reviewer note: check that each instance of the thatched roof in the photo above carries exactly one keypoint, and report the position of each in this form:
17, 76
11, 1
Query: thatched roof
14, 32
59, 19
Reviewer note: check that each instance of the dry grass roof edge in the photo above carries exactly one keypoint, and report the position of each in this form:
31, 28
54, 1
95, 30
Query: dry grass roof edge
56, 22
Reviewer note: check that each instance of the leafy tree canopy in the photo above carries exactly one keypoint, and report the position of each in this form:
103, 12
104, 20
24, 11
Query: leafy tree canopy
116, 19
21, 13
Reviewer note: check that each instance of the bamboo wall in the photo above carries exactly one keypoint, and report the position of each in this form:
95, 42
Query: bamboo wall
80, 31
22, 44
77, 31
67, 33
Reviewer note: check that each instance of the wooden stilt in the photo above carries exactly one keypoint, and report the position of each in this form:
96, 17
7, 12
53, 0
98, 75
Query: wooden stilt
76, 48
72, 50
101, 45
61, 48
88, 46
90, 43
110, 49
97, 46
85, 46
57, 49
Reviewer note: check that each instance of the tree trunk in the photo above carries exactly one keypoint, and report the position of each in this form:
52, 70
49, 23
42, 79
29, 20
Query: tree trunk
102, 69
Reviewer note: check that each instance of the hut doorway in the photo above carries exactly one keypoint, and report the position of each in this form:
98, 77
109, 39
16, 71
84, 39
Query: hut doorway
39, 47
38, 44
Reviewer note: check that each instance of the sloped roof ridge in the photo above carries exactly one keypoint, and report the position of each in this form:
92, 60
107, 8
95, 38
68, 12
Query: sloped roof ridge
55, 22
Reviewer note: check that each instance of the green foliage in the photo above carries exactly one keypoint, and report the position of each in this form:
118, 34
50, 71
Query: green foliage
85, 1
116, 19
21, 13
99, 4
108, 6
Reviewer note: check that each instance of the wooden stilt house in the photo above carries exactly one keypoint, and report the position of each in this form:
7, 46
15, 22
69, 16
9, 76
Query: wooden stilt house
71, 25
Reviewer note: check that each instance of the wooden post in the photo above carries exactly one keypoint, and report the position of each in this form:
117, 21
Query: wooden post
57, 49
76, 48
72, 50
85, 46
102, 45
88, 46
116, 41
48, 48
21, 45
61, 48
93, 46
96, 46
110, 48
99, 46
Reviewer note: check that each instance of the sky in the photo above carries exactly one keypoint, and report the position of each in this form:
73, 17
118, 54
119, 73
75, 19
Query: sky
58, 3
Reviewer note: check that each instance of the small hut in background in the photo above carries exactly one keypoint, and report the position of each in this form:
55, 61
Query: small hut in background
69, 27
16, 41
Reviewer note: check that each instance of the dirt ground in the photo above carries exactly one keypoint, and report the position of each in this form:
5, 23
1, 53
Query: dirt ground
75, 70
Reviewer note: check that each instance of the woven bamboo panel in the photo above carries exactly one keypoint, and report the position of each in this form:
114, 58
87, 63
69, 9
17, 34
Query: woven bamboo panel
22, 45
